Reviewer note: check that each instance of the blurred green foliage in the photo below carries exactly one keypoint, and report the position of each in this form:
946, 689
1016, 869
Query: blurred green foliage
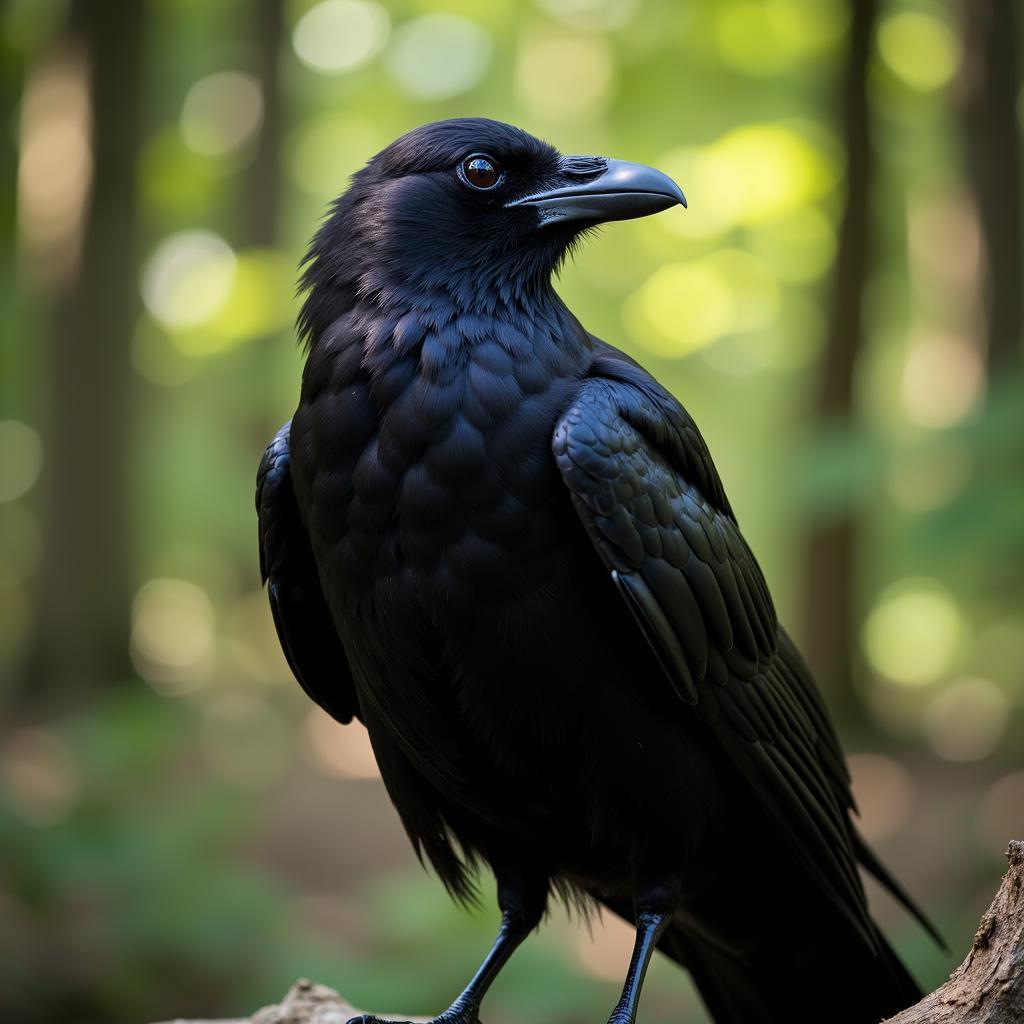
164, 844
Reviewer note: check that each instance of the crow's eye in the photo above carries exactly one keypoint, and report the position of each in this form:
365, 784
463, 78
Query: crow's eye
480, 171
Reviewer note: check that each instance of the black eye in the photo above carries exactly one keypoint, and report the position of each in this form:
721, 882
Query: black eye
480, 171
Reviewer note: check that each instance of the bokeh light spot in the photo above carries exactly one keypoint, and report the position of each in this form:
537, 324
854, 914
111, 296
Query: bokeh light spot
684, 306
221, 113
750, 175
438, 55
257, 304
914, 631
919, 48
22, 451
341, 35
567, 76
172, 635
54, 161
188, 278
965, 722
942, 381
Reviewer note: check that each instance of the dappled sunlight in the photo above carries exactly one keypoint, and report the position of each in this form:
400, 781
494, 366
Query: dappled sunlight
257, 303
210, 298
341, 35
942, 383
54, 163
684, 306
222, 113
914, 632
172, 638
189, 278
918, 46
565, 76
753, 174
179, 813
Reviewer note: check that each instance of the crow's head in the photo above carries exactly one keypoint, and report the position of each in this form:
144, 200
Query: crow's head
474, 208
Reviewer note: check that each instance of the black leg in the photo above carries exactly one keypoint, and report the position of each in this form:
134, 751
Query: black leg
649, 926
521, 911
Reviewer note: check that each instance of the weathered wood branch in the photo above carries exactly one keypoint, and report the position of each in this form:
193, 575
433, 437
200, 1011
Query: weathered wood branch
987, 988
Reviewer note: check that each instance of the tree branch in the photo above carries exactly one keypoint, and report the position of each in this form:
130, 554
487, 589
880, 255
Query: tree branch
987, 988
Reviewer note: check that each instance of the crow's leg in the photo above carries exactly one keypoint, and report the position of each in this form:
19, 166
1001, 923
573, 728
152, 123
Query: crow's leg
653, 914
522, 906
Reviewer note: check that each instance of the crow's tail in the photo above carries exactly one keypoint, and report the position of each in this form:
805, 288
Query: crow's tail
825, 972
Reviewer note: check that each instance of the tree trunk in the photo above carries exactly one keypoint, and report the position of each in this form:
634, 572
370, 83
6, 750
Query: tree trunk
988, 87
831, 550
84, 587
261, 193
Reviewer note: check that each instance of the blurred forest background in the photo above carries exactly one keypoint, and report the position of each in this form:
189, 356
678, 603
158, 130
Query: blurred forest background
181, 832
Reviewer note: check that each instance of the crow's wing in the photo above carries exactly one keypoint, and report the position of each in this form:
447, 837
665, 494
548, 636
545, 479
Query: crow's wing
648, 494
304, 626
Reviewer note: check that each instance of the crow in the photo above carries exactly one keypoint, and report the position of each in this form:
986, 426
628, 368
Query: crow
503, 546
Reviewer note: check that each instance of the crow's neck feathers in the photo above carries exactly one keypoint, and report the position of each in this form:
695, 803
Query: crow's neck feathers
373, 256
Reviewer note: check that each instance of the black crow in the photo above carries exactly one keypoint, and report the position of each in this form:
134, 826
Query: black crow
504, 547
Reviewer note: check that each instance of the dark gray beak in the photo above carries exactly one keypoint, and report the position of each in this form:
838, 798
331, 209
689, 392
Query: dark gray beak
595, 189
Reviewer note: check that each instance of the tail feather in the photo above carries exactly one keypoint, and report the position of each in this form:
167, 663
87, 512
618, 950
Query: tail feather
870, 862
834, 977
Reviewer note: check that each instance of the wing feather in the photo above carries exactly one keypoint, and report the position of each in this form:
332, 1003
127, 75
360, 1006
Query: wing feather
308, 637
644, 486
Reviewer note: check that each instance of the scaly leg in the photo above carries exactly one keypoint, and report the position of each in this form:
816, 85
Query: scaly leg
650, 924
521, 911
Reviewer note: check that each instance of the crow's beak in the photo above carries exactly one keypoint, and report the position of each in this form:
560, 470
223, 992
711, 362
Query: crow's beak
595, 189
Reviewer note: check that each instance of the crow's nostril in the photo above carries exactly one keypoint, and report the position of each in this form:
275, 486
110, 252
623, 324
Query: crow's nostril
584, 166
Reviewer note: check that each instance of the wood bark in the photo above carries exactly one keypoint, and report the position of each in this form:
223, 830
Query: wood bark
987, 988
